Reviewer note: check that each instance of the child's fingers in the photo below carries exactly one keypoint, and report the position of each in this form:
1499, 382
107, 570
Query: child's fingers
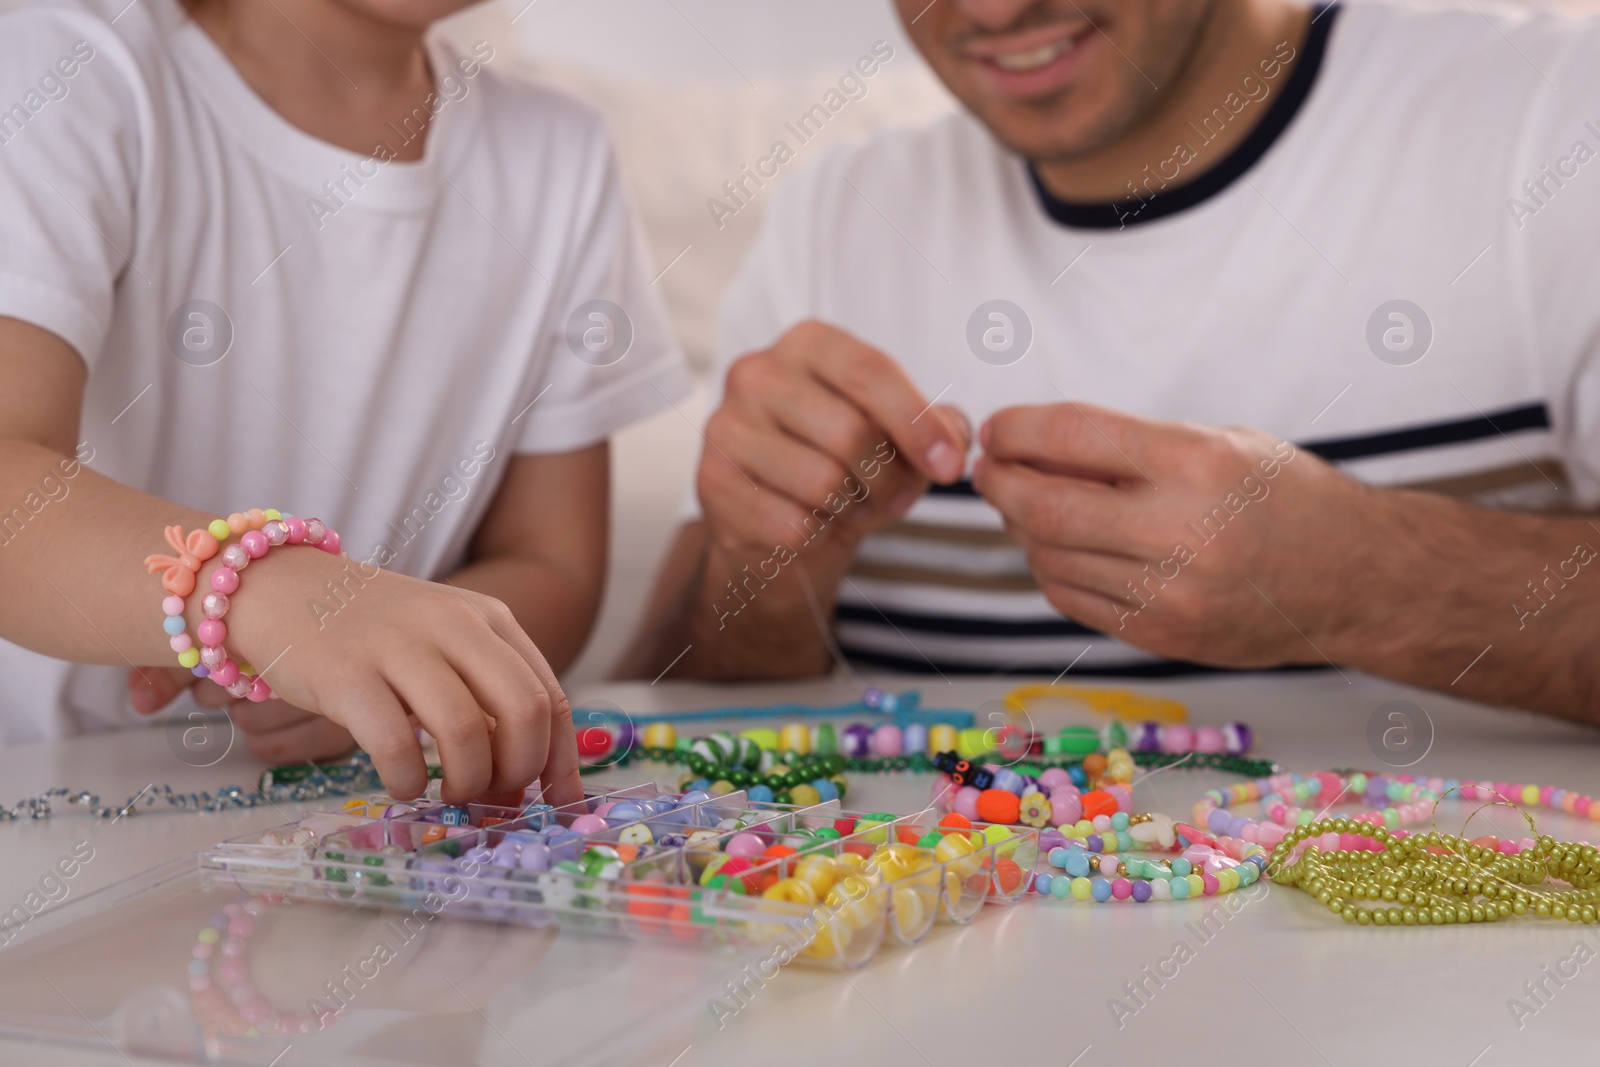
446, 708
559, 779
311, 738
152, 688
507, 688
559, 775
268, 716
377, 720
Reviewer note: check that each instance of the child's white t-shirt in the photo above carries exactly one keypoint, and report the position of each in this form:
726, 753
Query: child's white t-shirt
1397, 270
271, 321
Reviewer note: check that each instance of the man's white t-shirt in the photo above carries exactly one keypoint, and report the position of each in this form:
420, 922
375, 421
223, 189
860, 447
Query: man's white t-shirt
1443, 159
271, 321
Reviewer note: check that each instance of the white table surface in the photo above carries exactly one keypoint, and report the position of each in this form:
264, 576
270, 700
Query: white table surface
1034, 982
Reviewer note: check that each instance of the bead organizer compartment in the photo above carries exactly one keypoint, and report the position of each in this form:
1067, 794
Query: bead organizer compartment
637, 863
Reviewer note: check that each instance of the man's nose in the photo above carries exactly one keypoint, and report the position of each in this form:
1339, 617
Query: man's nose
994, 14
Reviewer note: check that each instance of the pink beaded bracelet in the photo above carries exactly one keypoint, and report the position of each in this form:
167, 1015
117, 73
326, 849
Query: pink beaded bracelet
259, 530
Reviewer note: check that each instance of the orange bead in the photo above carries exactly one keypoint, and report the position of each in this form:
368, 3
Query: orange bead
238, 522
1008, 875
957, 820
1094, 765
258, 518
997, 805
777, 856
1098, 802
907, 835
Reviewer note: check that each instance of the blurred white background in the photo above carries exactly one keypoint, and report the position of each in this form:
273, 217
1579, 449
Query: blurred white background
692, 89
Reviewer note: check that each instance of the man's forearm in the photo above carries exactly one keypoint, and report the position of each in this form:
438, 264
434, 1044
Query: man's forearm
764, 617
1492, 605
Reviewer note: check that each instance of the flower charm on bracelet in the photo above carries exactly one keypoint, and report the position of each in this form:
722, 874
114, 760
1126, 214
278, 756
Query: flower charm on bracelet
1035, 810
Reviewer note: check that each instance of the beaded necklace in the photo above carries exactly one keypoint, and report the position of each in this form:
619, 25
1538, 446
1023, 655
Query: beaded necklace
1438, 879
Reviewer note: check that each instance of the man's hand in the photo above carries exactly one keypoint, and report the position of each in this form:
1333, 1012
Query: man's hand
817, 419
820, 440
1214, 546
275, 731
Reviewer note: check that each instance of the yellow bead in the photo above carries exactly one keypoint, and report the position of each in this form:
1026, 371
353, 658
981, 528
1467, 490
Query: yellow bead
818, 872
805, 795
973, 742
1197, 886
218, 528
795, 737
763, 737
1227, 880
660, 735
1530, 795
720, 788
189, 657
1082, 888
791, 891
996, 832
941, 738
272, 514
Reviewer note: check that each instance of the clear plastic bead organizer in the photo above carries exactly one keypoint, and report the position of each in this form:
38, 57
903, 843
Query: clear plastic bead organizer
648, 872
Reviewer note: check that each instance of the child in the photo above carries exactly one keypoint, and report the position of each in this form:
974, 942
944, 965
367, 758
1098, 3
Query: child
303, 254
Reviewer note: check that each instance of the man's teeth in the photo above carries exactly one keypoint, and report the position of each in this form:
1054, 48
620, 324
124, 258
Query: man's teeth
1034, 58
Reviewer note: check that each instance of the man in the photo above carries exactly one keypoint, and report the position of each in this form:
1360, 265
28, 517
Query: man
1368, 232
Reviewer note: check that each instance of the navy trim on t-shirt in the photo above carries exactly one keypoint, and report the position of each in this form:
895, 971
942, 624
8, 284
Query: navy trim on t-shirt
1119, 214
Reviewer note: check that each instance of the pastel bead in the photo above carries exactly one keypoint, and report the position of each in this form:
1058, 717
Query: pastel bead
275, 532
1082, 888
296, 527
212, 657
588, 824
744, 845
1141, 891
1101, 889
1041, 884
1177, 738
915, 738
214, 606
189, 657
254, 543
180, 642
316, 530
966, 801
173, 625
210, 632
218, 528
941, 738
257, 517
887, 740
172, 605
238, 523
794, 737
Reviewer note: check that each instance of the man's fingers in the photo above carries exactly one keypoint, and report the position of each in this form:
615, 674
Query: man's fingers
152, 688
879, 386
1076, 439
1065, 512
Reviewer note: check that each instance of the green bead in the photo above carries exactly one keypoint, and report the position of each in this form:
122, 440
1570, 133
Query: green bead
826, 742
1077, 741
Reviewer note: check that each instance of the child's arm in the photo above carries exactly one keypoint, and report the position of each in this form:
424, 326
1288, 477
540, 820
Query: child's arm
73, 585
548, 564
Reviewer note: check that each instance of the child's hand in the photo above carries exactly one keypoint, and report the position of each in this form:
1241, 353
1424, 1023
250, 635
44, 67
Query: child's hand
275, 731
398, 649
